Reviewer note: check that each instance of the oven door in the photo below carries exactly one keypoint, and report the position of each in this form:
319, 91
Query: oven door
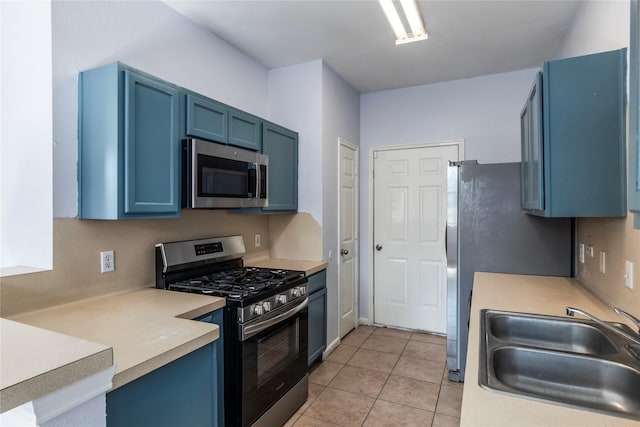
274, 359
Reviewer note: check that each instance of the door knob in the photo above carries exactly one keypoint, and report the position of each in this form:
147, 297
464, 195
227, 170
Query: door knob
378, 247
344, 252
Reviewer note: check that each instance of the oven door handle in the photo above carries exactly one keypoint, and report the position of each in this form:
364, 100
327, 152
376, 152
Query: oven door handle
249, 331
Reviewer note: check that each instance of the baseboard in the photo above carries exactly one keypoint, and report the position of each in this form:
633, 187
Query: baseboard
330, 347
364, 321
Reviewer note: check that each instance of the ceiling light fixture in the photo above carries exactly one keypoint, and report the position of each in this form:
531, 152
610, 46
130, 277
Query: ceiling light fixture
412, 14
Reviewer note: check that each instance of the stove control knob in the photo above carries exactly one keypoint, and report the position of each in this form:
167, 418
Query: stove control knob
266, 306
258, 309
281, 299
295, 293
303, 290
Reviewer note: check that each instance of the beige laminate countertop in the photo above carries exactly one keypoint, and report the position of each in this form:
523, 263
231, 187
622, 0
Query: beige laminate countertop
29, 368
309, 267
146, 328
532, 294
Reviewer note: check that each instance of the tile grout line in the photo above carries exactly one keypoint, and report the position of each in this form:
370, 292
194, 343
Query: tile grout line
395, 364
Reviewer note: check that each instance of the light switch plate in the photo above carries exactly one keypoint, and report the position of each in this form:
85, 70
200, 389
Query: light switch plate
628, 274
581, 253
603, 262
590, 250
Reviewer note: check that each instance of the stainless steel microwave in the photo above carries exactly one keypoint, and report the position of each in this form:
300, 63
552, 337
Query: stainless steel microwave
221, 176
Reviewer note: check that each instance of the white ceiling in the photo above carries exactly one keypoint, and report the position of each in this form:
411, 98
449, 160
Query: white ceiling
466, 38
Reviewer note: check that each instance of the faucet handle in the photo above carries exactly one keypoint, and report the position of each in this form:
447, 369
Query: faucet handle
629, 316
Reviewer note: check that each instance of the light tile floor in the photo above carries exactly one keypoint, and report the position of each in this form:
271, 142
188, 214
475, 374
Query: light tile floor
382, 377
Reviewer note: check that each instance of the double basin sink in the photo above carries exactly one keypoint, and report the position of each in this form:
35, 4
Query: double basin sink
565, 361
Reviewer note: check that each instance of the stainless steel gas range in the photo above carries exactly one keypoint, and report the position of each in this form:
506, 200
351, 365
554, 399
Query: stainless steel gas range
264, 331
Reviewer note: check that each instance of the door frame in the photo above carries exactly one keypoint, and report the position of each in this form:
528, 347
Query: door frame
459, 143
356, 226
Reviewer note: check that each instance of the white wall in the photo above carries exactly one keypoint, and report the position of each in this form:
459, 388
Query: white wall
484, 111
25, 138
313, 100
295, 101
340, 118
597, 27
149, 36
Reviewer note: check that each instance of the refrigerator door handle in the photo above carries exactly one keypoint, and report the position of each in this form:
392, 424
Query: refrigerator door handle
445, 240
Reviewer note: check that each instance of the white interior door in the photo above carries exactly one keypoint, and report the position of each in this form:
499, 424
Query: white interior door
410, 203
348, 237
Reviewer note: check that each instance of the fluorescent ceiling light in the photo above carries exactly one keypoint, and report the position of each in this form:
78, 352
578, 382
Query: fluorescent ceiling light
410, 9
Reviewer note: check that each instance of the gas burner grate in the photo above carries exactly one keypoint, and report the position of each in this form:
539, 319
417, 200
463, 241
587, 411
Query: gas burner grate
236, 283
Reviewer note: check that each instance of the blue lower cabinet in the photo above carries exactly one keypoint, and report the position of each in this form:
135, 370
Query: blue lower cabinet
186, 392
182, 393
317, 316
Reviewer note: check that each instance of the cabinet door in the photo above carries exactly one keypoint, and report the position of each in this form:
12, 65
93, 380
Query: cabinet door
532, 149
281, 145
244, 130
317, 325
151, 149
206, 118
585, 135
181, 393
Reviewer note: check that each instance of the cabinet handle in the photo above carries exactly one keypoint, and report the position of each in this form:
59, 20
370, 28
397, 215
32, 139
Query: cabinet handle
378, 247
344, 252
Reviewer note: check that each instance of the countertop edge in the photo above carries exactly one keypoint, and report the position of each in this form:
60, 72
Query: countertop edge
57, 377
54, 379
133, 373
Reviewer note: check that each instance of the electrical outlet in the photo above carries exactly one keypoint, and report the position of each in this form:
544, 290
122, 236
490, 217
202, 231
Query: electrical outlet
581, 253
107, 261
257, 240
628, 274
603, 262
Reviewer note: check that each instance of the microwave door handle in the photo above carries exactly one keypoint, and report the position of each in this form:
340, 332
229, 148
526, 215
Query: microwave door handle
252, 182
256, 182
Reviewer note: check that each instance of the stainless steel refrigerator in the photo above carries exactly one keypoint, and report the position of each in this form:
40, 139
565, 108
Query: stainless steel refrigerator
488, 231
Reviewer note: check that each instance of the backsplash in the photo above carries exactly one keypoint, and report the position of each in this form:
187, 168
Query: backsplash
76, 256
621, 242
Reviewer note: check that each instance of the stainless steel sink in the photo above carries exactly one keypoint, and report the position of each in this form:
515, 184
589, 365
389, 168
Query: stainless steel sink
565, 361
551, 333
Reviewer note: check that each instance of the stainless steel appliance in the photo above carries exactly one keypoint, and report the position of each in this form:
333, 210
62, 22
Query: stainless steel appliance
264, 331
488, 231
222, 176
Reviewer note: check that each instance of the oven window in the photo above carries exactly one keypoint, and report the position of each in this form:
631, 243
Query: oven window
272, 362
219, 177
276, 352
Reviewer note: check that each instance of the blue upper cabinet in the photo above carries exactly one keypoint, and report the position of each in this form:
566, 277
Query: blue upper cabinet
128, 145
634, 114
573, 147
208, 119
532, 180
281, 145
244, 130
205, 118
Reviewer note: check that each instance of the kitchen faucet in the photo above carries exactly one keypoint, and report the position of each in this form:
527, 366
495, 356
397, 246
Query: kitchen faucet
629, 316
635, 338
